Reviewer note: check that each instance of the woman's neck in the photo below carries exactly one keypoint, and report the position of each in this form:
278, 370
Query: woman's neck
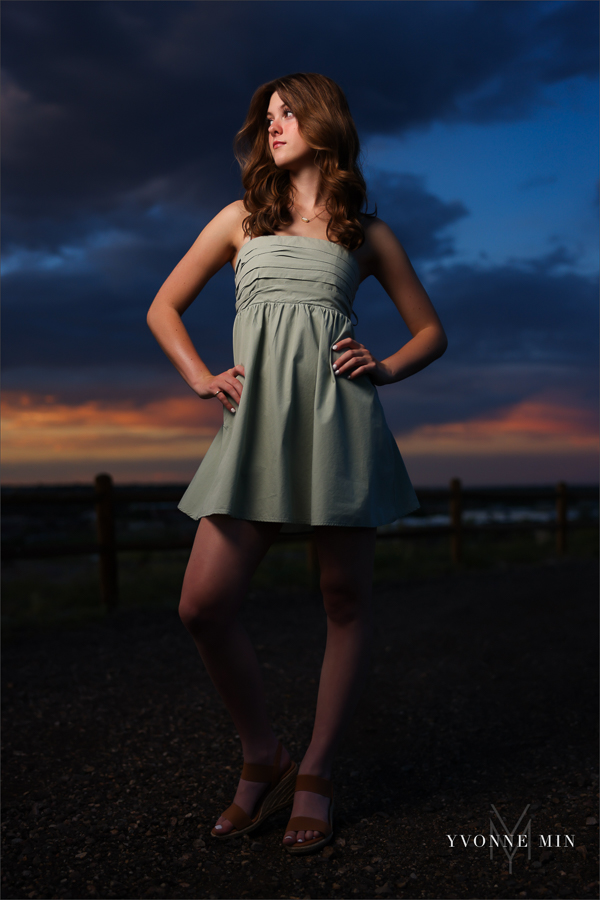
306, 193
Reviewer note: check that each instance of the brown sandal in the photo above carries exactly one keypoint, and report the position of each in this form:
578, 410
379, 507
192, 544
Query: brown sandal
315, 785
279, 794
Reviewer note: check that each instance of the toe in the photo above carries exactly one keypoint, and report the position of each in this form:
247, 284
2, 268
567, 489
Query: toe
299, 837
223, 826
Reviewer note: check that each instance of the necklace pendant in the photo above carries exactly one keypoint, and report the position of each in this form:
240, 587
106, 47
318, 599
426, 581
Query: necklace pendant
304, 220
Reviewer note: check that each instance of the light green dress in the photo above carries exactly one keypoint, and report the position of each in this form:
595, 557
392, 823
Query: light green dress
305, 446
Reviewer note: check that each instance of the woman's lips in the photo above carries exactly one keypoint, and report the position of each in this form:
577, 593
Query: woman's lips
278, 144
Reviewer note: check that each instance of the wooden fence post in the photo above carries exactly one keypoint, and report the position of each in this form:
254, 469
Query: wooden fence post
456, 543
105, 526
561, 518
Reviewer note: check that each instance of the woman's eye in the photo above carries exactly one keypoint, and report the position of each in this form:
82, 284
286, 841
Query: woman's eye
285, 113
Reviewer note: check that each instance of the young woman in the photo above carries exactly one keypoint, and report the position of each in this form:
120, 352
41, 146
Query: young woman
304, 440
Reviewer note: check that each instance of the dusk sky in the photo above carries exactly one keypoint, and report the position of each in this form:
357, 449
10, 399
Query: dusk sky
479, 127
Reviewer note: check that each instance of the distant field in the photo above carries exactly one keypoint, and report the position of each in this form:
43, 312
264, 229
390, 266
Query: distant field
39, 592
66, 590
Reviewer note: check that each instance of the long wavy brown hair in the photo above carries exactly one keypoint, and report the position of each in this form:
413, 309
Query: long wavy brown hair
325, 122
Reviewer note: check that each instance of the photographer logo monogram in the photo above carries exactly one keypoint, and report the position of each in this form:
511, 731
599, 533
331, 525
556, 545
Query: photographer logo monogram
519, 838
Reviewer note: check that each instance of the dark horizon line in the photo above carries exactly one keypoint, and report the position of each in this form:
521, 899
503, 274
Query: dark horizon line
169, 485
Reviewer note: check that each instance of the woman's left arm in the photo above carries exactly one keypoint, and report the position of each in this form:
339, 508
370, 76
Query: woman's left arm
389, 264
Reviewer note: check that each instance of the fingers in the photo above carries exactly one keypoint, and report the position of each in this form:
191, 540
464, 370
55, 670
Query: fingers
362, 370
350, 366
345, 343
229, 383
356, 361
225, 400
227, 388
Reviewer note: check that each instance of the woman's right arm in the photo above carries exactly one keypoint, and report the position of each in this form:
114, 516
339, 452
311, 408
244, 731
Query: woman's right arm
216, 245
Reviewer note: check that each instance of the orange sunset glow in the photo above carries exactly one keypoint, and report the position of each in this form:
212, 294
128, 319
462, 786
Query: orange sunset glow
533, 426
39, 434
166, 439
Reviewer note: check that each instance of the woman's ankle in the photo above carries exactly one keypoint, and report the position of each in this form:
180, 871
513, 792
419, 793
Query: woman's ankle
260, 752
316, 764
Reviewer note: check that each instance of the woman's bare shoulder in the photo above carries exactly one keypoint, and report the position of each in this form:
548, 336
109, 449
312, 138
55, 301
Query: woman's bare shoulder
237, 208
380, 239
226, 227
376, 230
232, 215
377, 239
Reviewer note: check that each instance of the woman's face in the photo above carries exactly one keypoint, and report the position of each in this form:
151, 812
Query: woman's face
287, 146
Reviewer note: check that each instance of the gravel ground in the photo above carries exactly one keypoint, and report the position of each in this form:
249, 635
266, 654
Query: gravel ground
118, 756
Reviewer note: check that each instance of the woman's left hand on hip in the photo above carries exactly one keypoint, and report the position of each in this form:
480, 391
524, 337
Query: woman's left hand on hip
356, 360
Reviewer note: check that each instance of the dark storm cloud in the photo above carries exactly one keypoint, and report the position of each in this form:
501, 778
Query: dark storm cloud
526, 327
524, 310
528, 311
104, 271
85, 319
118, 120
535, 311
104, 97
418, 217
515, 329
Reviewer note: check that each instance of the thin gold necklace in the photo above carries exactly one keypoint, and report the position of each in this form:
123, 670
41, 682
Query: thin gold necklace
304, 219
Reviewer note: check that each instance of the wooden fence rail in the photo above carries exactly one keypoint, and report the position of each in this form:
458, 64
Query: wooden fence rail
104, 497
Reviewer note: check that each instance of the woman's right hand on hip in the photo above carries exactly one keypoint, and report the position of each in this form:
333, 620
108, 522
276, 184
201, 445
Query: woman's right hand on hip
225, 387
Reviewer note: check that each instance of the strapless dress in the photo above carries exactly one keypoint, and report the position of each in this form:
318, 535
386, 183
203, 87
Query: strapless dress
305, 446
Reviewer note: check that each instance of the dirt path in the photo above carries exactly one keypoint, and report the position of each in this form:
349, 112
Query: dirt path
118, 756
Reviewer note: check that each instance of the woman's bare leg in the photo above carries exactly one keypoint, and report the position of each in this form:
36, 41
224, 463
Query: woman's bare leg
346, 558
225, 554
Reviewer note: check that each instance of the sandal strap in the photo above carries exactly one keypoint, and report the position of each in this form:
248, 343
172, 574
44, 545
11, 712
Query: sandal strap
237, 816
258, 772
307, 823
315, 785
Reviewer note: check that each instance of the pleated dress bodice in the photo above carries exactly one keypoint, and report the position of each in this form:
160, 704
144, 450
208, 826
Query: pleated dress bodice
293, 269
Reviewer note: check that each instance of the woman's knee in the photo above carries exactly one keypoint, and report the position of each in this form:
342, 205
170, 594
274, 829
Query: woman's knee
345, 601
201, 611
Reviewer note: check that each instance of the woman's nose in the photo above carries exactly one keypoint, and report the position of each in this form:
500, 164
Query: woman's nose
274, 128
